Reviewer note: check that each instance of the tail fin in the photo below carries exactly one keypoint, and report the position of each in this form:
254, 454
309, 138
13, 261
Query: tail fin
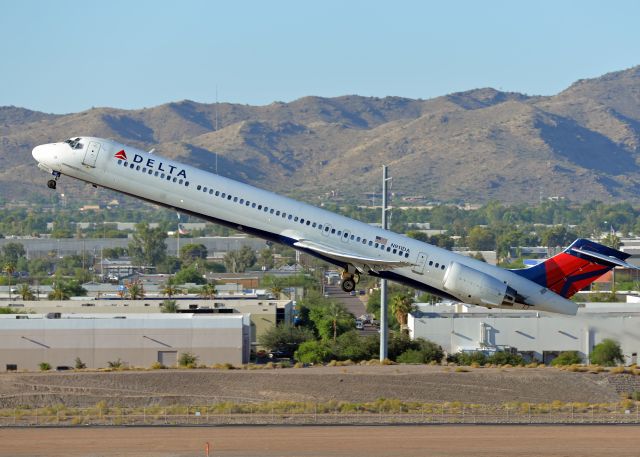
576, 267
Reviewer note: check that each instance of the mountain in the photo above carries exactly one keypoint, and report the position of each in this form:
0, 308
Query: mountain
472, 146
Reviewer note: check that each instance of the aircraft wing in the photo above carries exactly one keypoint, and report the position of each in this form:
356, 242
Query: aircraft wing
363, 264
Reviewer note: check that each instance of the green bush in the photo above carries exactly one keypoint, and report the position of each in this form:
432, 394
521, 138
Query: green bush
313, 352
567, 358
411, 356
467, 358
505, 358
606, 353
80, 364
44, 366
188, 360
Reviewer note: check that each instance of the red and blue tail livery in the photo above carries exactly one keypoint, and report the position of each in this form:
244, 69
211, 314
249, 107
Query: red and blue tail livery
576, 267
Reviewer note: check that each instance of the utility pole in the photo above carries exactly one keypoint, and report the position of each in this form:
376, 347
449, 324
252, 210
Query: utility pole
384, 323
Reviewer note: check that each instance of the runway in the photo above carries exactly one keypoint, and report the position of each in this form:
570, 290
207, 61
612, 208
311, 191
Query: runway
314, 441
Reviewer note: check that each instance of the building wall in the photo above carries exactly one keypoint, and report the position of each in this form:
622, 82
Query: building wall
136, 341
529, 332
262, 312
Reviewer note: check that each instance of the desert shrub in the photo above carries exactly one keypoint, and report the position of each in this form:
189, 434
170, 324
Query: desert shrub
157, 366
115, 364
44, 366
188, 360
79, 364
606, 353
567, 358
462, 370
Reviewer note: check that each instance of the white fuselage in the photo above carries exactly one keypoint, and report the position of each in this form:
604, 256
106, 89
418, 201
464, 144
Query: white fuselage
273, 217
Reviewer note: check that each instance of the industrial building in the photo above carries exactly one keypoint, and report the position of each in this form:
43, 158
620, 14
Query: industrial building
537, 336
263, 313
137, 340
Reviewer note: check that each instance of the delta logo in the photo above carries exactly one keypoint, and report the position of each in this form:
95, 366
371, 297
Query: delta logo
154, 164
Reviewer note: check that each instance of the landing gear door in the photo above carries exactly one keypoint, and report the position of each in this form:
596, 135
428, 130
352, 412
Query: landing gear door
91, 155
419, 266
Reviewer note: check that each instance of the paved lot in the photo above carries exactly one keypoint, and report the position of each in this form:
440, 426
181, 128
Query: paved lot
431, 441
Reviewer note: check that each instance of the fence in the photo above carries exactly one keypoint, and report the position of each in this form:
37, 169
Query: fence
323, 414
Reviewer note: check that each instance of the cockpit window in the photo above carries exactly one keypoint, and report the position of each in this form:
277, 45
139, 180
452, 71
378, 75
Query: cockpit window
74, 143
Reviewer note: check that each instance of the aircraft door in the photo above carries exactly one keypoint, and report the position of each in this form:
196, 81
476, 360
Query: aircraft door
419, 266
91, 155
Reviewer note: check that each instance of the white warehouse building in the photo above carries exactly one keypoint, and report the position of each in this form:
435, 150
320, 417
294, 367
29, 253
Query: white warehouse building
537, 336
138, 340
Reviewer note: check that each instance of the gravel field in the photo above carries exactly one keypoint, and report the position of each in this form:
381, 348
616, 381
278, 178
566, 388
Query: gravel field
429, 384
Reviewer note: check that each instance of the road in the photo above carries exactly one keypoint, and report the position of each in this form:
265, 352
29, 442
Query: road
355, 304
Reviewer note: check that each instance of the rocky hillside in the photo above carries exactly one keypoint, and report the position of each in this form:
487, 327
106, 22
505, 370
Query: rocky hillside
474, 146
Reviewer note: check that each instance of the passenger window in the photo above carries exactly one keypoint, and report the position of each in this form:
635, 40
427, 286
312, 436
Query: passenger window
235, 199
223, 195
131, 166
210, 191
204, 189
217, 193
228, 197
199, 187
430, 262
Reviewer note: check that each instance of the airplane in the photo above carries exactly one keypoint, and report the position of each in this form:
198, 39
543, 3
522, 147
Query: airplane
356, 247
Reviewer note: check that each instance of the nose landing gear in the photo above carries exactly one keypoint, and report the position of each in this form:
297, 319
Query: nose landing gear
51, 184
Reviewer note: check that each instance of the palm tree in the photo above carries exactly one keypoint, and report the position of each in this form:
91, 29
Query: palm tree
208, 291
401, 306
135, 290
9, 268
169, 306
169, 290
59, 292
336, 312
25, 292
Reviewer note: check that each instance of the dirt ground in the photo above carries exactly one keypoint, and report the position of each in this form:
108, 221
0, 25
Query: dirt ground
418, 383
406, 441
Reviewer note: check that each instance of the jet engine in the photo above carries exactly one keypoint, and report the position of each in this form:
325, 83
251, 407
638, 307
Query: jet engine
477, 288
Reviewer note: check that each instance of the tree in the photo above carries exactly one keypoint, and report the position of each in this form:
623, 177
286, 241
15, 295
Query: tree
9, 268
11, 252
285, 337
208, 291
481, 239
189, 274
135, 290
25, 292
169, 306
169, 290
59, 292
238, 261
337, 312
558, 236
265, 259
148, 246
351, 346
193, 251
606, 353
611, 240
401, 306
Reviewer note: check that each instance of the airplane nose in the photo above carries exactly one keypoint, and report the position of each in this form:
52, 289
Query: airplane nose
38, 153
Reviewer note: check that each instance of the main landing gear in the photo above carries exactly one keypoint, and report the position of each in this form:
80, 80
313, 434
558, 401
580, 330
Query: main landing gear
51, 184
349, 281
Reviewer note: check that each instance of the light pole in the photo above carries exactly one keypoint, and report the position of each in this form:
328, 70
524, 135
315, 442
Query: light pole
384, 323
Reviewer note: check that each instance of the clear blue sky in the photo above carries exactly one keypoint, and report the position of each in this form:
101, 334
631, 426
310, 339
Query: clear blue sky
67, 56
